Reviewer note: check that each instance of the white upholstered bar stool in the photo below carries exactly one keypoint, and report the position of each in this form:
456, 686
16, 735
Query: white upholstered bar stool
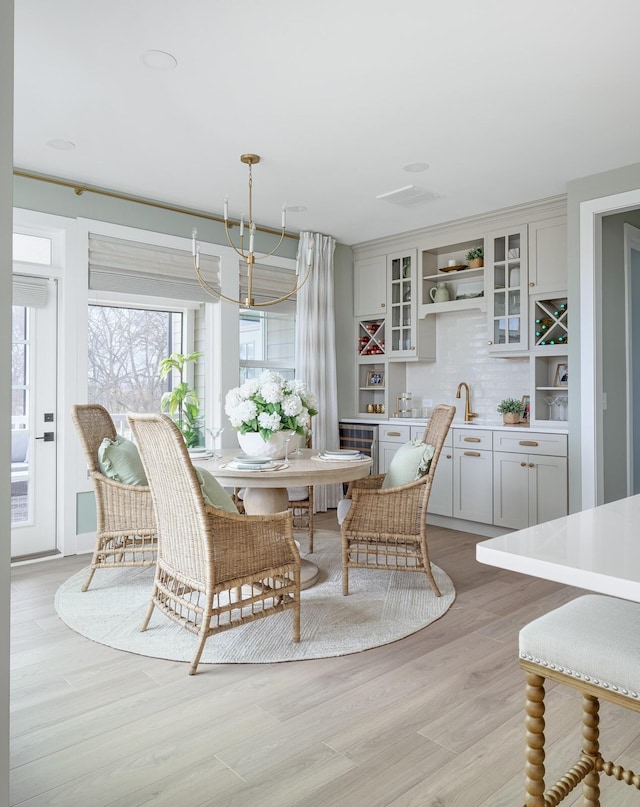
591, 644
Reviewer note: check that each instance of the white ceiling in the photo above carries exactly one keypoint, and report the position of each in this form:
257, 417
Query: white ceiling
505, 100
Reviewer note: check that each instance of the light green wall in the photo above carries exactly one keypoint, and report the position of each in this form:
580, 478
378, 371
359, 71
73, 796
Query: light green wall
48, 198
581, 190
615, 437
6, 218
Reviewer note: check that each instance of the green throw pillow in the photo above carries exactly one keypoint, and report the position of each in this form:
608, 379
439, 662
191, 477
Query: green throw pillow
119, 460
213, 492
410, 462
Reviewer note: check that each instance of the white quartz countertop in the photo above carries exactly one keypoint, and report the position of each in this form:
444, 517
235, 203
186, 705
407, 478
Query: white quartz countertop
596, 549
492, 424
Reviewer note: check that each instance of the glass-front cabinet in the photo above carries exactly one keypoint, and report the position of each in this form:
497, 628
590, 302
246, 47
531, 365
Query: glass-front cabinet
401, 304
506, 289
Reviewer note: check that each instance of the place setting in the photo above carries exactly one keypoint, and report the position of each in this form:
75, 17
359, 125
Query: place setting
244, 462
340, 455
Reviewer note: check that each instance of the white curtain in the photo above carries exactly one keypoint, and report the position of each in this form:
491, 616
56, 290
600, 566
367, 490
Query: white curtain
316, 349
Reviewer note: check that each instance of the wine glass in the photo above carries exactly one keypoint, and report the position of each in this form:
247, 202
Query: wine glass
215, 432
298, 450
552, 401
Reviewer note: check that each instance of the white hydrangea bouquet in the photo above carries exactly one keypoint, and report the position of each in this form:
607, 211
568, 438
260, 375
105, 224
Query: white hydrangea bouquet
270, 403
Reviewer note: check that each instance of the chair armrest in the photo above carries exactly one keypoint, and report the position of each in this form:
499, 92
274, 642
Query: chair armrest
267, 539
372, 482
123, 508
390, 510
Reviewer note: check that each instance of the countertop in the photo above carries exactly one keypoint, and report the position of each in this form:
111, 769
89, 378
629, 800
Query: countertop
492, 424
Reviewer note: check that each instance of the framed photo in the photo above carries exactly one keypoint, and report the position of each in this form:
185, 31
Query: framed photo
375, 379
525, 416
562, 376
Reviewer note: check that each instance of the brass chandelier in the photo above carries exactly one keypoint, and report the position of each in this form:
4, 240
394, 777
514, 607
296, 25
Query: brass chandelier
248, 255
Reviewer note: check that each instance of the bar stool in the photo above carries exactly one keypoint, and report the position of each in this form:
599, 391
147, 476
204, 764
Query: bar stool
591, 644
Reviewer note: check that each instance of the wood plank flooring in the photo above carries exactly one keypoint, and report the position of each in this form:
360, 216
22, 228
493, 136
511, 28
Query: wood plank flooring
434, 720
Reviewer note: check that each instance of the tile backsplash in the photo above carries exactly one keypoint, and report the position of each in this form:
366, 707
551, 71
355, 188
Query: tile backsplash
462, 355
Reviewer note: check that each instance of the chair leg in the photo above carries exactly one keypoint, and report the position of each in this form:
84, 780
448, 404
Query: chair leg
147, 618
534, 723
310, 520
591, 749
201, 641
90, 578
432, 580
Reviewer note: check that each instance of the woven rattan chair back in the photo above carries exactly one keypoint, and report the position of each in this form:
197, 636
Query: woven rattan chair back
386, 529
215, 570
125, 522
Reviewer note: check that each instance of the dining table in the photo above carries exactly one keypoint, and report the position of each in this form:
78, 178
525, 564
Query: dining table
597, 549
266, 488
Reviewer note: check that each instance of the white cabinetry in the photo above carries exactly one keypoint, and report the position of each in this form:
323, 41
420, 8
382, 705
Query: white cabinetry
390, 438
370, 287
441, 496
465, 286
548, 255
530, 479
472, 475
506, 281
407, 337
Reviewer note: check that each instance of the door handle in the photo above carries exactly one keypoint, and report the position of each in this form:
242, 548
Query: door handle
48, 437
472, 454
472, 439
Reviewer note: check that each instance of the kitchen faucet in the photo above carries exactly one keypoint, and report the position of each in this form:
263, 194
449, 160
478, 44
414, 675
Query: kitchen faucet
468, 414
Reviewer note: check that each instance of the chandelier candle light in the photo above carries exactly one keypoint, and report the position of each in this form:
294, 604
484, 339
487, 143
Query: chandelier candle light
249, 255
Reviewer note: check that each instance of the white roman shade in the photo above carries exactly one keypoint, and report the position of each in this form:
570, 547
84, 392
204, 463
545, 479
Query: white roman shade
269, 283
136, 268
30, 291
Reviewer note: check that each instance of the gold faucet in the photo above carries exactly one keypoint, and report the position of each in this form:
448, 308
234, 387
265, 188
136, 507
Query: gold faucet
468, 414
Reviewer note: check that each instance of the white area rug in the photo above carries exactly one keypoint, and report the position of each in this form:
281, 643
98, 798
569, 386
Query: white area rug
382, 607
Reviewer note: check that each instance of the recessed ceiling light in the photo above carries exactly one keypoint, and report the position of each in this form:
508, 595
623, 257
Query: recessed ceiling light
296, 209
159, 60
61, 145
415, 168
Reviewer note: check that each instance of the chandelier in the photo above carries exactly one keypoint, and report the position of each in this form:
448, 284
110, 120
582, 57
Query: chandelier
248, 255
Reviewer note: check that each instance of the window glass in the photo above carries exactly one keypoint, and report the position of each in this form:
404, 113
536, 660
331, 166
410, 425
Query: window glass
32, 249
125, 347
267, 341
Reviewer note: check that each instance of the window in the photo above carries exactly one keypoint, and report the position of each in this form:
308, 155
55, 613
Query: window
267, 342
125, 346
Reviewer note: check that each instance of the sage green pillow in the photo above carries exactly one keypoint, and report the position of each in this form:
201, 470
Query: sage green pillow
213, 492
410, 462
119, 460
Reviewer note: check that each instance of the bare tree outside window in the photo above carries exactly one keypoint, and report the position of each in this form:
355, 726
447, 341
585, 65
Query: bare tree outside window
125, 347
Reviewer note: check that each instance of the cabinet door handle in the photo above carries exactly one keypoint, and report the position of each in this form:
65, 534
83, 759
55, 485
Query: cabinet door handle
523, 464
532, 465
392, 434
472, 439
447, 456
383, 305
528, 443
472, 454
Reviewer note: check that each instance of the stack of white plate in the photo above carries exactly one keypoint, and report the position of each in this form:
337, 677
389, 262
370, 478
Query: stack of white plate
247, 463
341, 454
200, 451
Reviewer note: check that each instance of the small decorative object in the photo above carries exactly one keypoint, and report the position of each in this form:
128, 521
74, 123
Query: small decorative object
475, 257
562, 376
526, 414
270, 408
511, 410
440, 293
375, 379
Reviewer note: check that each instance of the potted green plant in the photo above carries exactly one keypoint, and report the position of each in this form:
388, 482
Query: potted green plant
182, 402
511, 410
475, 257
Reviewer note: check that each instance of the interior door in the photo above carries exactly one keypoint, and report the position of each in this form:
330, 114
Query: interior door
33, 418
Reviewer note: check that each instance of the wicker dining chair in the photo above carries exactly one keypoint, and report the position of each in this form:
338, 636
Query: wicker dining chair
125, 521
215, 570
385, 528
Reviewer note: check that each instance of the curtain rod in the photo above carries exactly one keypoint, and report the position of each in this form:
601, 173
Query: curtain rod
80, 189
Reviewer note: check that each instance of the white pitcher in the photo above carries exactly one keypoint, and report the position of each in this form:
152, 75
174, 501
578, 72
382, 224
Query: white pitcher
440, 293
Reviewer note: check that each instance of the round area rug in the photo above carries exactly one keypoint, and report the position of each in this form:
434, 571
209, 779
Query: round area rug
382, 607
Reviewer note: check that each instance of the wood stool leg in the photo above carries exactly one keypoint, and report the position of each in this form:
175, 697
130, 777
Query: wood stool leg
534, 723
591, 749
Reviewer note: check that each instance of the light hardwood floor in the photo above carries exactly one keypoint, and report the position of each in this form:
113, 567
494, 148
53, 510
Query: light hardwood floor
434, 720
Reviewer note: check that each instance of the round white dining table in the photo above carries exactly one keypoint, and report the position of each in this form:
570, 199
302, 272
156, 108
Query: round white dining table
266, 491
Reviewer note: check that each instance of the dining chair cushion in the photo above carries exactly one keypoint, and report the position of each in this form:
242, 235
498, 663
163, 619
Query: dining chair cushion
298, 494
410, 462
119, 460
593, 638
344, 505
214, 494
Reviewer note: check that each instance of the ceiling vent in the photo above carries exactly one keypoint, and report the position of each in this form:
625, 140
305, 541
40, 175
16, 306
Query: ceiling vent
407, 196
